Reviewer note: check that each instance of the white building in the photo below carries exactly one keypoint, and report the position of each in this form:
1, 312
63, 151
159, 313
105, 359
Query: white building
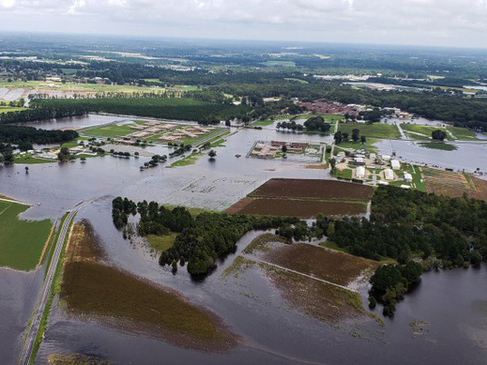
360, 172
388, 174
395, 164
385, 157
408, 177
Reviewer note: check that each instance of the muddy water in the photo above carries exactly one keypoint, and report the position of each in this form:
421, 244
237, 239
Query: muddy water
84, 121
452, 303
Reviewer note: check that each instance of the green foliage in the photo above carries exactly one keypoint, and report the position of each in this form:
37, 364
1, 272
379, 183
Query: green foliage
171, 108
25, 136
317, 124
201, 239
438, 135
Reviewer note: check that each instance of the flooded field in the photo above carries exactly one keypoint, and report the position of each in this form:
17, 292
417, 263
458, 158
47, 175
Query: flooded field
252, 305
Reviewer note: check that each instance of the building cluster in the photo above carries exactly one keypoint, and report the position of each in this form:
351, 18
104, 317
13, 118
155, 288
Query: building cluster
274, 148
329, 107
363, 163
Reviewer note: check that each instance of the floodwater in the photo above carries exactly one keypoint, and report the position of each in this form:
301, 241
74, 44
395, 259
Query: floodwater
452, 303
469, 155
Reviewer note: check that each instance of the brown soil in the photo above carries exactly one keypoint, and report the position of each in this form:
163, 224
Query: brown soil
238, 206
116, 297
301, 208
312, 189
336, 267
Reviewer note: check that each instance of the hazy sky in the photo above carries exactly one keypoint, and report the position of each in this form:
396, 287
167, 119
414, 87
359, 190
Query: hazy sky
422, 22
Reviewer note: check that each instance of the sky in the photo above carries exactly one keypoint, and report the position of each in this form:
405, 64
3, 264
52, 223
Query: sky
457, 23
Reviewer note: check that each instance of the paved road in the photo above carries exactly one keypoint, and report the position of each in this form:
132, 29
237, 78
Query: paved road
46, 288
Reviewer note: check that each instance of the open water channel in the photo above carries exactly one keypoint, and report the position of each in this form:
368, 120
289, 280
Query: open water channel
452, 304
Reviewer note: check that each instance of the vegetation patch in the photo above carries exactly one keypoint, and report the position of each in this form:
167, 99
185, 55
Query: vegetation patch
21, 241
95, 289
238, 266
439, 146
76, 359
260, 243
170, 108
161, 243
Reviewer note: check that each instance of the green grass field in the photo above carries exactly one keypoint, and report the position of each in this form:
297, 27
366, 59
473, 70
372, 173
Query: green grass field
94, 88
263, 123
161, 243
6, 109
110, 130
417, 131
368, 146
21, 242
31, 160
376, 130
462, 133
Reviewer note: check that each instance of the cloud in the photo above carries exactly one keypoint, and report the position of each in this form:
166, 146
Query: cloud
405, 21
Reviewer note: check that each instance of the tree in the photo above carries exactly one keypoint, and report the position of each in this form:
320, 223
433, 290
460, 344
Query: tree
363, 139
228, 123
284, 148
438, 135
64, 154
338, 137
212, 155
355, 135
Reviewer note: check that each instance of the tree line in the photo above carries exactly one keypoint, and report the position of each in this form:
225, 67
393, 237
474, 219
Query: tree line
201, 240
21, 135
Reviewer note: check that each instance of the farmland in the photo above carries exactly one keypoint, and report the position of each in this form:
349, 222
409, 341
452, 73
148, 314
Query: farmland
170, 108
336, 267
115, 297
305, 198
21, 242
454, 184
313, 189
301, 208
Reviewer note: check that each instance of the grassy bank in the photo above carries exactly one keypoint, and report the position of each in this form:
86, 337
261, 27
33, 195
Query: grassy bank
122, 300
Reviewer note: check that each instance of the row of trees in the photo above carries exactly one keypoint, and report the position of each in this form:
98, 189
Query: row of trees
201, 240
43, 112
22, 135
